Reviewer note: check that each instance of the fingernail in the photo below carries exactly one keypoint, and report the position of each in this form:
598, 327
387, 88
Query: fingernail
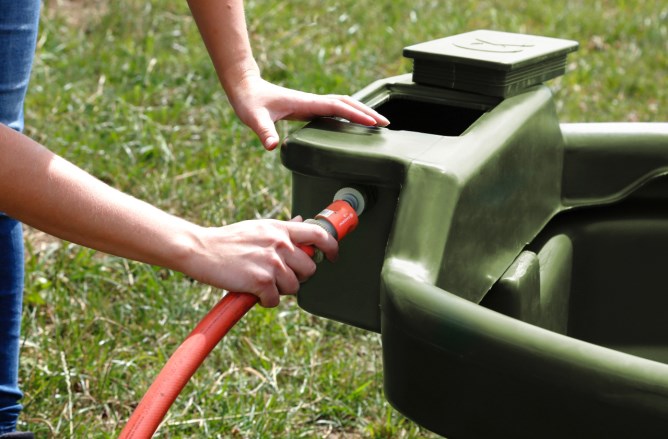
270, 143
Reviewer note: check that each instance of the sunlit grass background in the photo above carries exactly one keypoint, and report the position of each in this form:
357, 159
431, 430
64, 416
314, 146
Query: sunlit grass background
125, 90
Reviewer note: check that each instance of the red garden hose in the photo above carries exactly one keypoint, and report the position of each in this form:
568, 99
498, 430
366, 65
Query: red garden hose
339, 218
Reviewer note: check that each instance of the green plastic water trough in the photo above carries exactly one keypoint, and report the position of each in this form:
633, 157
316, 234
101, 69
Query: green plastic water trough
515, 266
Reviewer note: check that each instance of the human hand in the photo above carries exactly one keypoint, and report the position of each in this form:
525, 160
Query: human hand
259, 257
259, 104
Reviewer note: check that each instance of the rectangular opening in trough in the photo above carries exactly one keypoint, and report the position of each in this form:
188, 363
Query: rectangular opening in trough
410, 114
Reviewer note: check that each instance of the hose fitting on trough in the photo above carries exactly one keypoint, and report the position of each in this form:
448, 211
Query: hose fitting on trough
341, 216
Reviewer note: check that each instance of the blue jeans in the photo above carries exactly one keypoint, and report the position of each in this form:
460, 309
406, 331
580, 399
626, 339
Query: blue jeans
18, 35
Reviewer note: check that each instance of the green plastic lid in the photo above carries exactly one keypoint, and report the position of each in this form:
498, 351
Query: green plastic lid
489, 62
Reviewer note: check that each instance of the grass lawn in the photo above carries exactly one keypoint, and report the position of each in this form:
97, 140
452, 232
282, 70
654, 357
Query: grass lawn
125, 90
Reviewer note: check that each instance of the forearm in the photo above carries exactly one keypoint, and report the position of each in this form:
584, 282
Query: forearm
259, 104
262, 257
222, 24
47, 192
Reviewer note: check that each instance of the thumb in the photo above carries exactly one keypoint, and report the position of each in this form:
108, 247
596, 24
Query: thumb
265, 129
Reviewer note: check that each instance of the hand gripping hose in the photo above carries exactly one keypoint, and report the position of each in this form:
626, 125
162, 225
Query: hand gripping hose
339, 218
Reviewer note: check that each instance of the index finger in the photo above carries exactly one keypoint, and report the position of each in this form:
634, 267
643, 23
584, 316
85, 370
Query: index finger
379, 118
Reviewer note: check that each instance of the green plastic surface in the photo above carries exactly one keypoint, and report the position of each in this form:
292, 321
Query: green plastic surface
489, 62
514, 266
436, 194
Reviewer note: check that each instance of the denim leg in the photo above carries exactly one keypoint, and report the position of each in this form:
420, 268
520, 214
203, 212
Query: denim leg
11, 297
18, 35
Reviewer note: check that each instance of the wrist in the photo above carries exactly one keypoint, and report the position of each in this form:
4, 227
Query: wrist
234, 76
183, 249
